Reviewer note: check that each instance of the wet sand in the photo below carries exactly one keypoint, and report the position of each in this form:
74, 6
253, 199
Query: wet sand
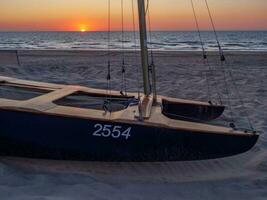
179, 74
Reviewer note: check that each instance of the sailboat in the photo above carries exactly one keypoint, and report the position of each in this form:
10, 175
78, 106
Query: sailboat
56, 121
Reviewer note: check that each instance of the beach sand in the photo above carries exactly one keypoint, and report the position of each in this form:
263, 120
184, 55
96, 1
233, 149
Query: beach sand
179, 74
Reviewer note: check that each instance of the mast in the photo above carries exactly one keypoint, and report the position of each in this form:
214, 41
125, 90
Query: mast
143, 44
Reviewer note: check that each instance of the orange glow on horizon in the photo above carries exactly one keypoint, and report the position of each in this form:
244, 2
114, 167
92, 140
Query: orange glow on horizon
78, 15
83, 28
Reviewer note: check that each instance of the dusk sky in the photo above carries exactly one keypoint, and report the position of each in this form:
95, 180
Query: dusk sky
74, 15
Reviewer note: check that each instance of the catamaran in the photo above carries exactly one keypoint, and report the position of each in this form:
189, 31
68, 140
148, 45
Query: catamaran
69, 122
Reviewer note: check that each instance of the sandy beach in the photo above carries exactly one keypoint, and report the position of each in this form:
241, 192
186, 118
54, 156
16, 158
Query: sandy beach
179, 74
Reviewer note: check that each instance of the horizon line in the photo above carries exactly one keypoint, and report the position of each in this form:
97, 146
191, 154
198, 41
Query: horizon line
208, 30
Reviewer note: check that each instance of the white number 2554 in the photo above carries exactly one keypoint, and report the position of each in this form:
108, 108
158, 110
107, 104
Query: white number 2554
111, 131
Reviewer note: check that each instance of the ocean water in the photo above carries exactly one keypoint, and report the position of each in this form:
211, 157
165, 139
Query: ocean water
174, 41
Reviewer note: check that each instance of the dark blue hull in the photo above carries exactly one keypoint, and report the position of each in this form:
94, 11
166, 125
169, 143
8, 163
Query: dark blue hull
38, 135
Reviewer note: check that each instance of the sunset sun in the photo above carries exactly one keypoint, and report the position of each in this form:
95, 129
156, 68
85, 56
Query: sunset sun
82, 30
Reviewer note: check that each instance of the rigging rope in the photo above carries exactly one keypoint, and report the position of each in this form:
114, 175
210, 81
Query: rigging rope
202, 45
152, 67
210, 68
123, 70
150, 32
222, 57
208, 87
18, 60
151, 52
205, 57
228, 97
240, 98
198, 30
135, 50
108, 89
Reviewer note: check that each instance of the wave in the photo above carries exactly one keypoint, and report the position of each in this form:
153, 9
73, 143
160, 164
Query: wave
178, 41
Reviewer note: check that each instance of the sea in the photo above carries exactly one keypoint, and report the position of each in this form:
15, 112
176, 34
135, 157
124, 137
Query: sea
157, 40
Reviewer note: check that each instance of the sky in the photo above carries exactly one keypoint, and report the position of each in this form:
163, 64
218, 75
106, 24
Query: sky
91, 15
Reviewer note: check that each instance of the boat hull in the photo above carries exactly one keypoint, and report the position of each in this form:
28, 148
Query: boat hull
46, 136
191, 111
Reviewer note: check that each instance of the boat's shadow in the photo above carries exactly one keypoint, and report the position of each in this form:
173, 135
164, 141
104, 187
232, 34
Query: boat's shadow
234, 167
